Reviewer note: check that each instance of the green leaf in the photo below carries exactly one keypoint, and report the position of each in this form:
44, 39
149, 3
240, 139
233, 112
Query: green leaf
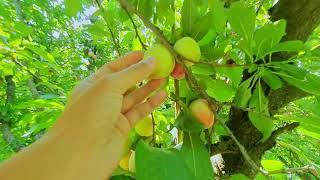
267, 37
242, 20
195, 153
159, 164
218, 15
272, 80
260, 116
201, 27
220, 90
7, 68
262, 122
239, 177
292, 70
146, 7
72, 7
42, 52
309, 84
189, 15
208, 38
260, 176
312, 134
234, 74
243, 93
22, 28
287, 46
259, 102
272, 165
165, 12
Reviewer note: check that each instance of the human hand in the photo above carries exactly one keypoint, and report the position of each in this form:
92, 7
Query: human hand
100, 112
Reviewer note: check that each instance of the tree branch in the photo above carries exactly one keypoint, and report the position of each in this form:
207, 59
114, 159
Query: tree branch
136, 30
193, 83
304, 169
5, 128
114, 39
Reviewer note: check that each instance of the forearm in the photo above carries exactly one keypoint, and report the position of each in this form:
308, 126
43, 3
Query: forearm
59, 155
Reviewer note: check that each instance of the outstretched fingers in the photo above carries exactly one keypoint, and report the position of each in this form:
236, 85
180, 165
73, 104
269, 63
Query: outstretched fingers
120, 63
142, 110
140, 94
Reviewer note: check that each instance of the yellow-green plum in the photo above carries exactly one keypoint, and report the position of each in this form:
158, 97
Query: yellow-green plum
164, 61
132, 162
124, 162
145, 126
188, 48
202, 112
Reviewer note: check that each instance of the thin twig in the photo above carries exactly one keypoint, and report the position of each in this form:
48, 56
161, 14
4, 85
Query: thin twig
304, 169
136, 30
25, 68
193, 83
114, 39
260, 6
153, 130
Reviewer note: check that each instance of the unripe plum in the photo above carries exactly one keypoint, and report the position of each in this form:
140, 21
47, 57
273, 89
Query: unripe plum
178, 72
164, 61
202, 112
188, 48
132, 162
124, 162
145, 126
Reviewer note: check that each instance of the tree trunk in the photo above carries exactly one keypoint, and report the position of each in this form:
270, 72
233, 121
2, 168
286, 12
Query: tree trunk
302, 16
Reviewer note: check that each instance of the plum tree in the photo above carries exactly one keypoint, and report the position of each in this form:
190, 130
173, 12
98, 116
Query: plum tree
145, 126
188, 48
202, 112
178, 72
124, 162
164, 61
132, 162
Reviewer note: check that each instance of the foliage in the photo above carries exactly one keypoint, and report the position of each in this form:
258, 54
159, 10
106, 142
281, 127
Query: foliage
48, 46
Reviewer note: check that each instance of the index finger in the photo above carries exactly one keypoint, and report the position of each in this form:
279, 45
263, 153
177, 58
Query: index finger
132, 75
121, 63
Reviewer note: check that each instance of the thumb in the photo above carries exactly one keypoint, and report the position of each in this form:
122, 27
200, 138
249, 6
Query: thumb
125, 79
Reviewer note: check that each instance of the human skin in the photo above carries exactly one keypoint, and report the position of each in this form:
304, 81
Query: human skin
88, 139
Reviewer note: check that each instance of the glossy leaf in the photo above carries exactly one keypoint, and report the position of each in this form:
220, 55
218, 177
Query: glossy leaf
268, 36
158, 164
242, 20
220, 90
195, 153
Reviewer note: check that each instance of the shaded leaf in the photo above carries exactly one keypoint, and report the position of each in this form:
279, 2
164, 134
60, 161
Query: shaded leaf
272, 80
243, 93
262, 122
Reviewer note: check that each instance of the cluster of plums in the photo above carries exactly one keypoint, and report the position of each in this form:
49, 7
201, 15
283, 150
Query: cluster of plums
165, 66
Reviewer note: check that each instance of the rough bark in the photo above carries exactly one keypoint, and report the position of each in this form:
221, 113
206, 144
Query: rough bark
5, 124
302, 16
